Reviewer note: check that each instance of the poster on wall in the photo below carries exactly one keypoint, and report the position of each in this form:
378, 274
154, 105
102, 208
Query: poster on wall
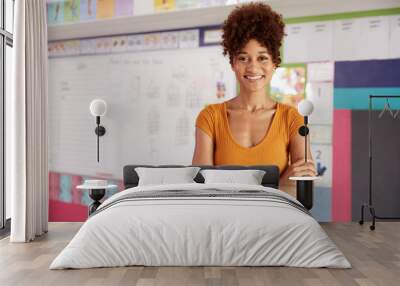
164, 5
288, 84
212, 36
320, 72
187, 4
103, 45
135, 43
105, 9
189, 39
55, 12
374, 38
321, 95
88, 46
394, 47
322, 155
169, 40
347, 34
71, 10
119, 44
152, 41
88, 10
123, 8
320, 42
295, 47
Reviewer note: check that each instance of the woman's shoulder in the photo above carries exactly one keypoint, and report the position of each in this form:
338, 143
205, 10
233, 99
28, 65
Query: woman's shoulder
209, 117
214, 106
213, 109
287, 110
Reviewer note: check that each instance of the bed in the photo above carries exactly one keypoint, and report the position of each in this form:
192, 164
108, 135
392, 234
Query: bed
201, 224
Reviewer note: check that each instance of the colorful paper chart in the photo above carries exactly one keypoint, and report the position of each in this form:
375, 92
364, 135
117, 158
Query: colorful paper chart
88, 10
53, 48
71, 10
103, 45
169, 40
88, 46
55, 12
187, 4
135, 43
105, 9
152, 41
119, 44
64, 48
213, 36
189, 39
123, 8
72, 47
164, 5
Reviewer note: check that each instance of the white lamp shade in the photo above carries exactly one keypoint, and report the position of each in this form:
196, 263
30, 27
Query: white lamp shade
305, 107
98, 107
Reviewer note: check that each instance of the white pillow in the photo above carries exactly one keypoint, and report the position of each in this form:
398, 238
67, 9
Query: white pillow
249, 177
163, 176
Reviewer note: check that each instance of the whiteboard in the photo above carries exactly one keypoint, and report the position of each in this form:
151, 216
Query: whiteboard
153, 100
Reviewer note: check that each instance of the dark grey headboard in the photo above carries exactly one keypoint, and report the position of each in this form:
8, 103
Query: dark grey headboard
270, 179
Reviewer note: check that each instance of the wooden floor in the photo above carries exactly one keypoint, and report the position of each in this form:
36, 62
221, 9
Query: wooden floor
375, 257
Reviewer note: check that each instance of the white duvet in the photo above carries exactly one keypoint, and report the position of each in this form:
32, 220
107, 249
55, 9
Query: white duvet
200, 231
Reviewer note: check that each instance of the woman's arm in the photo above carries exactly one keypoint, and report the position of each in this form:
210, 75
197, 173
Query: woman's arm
203, 150
298, 167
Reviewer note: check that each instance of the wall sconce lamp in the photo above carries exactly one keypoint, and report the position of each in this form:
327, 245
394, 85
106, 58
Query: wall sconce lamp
98, 108
305, 185
305, 108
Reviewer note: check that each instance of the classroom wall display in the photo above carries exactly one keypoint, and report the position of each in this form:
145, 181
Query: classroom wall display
153, 101
88, 10
73, 11
337, 39
155, 84
125, 44
55, 12
144, 77
349, 57
319, 90
164, 5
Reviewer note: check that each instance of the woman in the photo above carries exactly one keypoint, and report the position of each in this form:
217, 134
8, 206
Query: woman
252, 129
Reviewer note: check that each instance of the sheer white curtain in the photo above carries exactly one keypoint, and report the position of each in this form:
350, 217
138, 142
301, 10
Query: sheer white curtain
27, 121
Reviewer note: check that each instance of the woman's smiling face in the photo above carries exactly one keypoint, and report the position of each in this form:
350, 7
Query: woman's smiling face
253, 67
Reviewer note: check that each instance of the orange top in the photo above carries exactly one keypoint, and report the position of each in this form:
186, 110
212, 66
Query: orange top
273, 148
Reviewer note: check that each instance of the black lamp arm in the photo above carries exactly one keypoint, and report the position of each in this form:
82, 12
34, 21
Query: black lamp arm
303, 131
305, 139
100, 131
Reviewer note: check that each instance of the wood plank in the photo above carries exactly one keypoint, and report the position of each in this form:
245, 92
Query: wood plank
374, 255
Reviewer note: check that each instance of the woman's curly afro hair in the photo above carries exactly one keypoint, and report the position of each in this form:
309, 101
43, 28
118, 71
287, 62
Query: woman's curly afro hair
253, 21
